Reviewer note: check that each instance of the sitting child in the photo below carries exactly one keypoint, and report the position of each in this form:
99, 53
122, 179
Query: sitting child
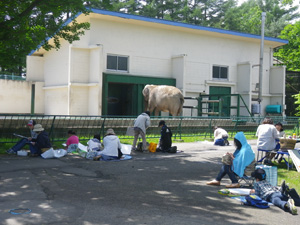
268, 192
72, 142
95, 144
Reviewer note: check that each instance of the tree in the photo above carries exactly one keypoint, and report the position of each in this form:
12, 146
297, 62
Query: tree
25, 24
289, 54
297, 102
247, 17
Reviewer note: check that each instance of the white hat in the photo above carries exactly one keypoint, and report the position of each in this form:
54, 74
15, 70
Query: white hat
38, 127
110, 131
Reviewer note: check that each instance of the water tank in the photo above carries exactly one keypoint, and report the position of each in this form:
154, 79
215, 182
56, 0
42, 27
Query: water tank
273, 109
255, 108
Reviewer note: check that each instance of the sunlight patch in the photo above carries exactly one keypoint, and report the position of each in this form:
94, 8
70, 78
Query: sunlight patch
163, 192
8, 194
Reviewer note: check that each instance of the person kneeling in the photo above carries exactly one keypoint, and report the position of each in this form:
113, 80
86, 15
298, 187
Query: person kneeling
241, 158
165, 141
220, 136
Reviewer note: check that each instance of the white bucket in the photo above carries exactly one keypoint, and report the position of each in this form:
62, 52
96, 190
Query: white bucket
22, 153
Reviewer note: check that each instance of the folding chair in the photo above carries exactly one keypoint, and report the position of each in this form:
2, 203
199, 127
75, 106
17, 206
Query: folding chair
287, 162
247, 180
262, 157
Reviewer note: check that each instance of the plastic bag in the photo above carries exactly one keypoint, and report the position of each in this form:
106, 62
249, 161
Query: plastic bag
51, 153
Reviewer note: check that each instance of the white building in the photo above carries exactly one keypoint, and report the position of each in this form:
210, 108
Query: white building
104, 73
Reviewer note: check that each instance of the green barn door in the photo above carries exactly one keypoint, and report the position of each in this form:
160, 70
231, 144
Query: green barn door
122, 94
223, 94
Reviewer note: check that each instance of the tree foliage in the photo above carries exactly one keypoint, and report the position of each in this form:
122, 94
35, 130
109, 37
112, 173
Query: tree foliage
24, 24
297, 102
290, 54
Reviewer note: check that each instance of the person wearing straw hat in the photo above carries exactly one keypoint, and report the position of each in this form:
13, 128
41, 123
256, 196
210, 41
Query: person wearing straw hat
20, 144
112, 147
42, 141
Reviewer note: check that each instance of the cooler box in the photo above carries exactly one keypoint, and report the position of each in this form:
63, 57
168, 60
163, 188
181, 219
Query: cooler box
271, 173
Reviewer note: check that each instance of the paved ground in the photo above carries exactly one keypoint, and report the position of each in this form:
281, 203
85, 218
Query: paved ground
152, 188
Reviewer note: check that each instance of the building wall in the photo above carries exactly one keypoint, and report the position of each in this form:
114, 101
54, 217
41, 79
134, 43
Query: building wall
15, 97
153, 50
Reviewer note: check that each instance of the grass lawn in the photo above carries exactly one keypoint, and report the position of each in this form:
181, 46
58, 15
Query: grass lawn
292, 177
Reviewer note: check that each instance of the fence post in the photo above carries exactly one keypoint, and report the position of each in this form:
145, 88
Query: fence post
180, 131
51, 129
102, 127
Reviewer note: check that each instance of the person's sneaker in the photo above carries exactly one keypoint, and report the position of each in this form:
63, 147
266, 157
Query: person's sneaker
291, 206
11, 152
145, 151
214, 182
284, 188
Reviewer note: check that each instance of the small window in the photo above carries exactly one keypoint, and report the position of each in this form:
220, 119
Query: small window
220, 72
117, 63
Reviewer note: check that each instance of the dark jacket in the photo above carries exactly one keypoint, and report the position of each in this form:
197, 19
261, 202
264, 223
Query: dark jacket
43, 141
165, 139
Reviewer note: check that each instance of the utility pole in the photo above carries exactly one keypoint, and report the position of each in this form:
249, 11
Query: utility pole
261, 58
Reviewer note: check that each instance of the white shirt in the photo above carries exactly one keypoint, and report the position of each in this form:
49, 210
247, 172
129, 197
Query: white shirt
111, 144
94, 145
266, 134
220, 133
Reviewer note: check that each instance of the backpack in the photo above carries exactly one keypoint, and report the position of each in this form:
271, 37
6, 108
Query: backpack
254, 200
172, 149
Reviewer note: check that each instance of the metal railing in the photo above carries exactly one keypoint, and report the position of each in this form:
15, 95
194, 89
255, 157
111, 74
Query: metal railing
12, 77
87, 126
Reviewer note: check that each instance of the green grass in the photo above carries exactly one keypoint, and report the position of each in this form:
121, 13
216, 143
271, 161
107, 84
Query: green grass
291, 176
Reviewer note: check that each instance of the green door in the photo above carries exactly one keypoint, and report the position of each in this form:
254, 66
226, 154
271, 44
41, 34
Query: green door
223, 95
122, 94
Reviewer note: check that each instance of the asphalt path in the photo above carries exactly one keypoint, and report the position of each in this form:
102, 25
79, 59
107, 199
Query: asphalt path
153, 188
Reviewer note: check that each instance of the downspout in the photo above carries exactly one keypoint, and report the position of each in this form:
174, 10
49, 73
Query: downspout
32, 98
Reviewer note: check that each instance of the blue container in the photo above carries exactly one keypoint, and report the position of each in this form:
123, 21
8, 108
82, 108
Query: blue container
273, 109
271, 173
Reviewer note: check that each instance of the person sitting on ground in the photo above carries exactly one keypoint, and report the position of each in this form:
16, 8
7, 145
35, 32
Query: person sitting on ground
21, 143
269, 193
95, 143
267, 138
42, 142
220, 136
112, 147
141, 123
72, 141
242, 157
165, 141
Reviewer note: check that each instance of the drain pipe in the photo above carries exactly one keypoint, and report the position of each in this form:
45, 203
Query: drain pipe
32, 98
